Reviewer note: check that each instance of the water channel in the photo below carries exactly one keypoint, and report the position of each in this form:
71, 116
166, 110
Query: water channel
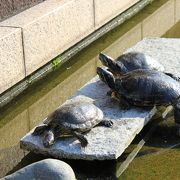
158, 159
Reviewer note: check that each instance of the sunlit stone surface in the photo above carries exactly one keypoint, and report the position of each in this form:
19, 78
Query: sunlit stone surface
110, 143
46, 169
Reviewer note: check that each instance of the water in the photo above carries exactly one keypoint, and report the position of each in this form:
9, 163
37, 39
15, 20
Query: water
158, 159
159, 156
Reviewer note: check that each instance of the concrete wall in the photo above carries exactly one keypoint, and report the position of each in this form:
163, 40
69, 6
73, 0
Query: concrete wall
11, 7
32, 38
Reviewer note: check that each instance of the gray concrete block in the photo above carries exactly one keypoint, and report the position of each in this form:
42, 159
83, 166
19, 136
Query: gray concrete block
11, 57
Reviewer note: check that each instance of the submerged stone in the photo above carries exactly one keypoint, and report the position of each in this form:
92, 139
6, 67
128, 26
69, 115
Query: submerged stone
110, 143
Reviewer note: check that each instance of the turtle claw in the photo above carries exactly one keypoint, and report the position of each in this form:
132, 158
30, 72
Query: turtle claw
173, 76
106, 123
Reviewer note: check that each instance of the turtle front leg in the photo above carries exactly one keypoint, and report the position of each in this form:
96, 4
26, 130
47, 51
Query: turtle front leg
109, 93
81, 138
173, 76
124, 104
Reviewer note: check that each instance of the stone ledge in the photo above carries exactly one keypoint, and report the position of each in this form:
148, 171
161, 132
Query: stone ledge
11, 57
110, 143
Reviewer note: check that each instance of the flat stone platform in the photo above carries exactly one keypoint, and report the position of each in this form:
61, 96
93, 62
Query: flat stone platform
110, 143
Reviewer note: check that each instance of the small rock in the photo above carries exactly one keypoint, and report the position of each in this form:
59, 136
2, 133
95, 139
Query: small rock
44, 170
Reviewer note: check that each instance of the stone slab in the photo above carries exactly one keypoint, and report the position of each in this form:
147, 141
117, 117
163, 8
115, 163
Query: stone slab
104, 143
51, 27
107, 10
11, 57
110, 143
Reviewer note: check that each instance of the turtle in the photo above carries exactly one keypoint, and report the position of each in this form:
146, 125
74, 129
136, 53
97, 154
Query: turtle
73, 118
144, 87
131, 61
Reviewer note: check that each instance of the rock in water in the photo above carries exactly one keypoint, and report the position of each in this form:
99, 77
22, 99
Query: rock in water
48, 169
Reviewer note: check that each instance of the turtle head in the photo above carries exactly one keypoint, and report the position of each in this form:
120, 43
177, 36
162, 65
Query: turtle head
106, 60
113, 66
106, 77
48, 138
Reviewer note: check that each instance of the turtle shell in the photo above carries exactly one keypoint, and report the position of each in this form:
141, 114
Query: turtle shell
135, 60
79, 116
130, 61
147, 87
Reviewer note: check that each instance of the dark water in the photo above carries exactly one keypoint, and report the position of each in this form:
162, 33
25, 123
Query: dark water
158, 159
